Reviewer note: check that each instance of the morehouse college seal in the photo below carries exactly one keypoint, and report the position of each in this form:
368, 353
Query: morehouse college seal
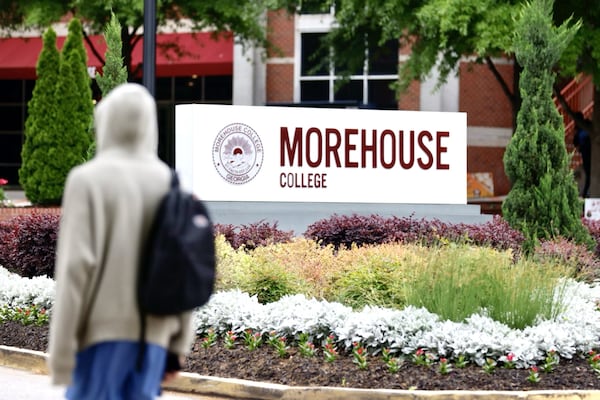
237, 153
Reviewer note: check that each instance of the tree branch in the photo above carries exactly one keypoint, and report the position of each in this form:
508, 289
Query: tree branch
500, 79
92, 47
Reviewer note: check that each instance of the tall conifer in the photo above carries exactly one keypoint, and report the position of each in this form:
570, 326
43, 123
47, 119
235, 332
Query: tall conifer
543, 201
40, 123
73, 96
114, 71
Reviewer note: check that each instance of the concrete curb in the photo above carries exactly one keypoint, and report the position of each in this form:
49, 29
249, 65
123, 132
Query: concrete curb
35, 361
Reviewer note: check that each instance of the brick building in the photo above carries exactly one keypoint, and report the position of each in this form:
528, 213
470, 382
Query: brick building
223, 72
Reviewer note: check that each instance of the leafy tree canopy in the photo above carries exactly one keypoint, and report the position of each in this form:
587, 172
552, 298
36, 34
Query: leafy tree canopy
439, 32
583, 52
243, 17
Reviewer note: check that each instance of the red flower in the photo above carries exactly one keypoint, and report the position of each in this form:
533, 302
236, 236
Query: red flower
420, 352
510, 357
443, 360
534, 369
3, 181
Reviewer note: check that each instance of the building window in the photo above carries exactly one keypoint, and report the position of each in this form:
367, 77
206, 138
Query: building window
314, 7
14, 95
171, 91
368, 88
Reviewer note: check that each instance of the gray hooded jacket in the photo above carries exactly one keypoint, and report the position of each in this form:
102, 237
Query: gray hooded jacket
107, 209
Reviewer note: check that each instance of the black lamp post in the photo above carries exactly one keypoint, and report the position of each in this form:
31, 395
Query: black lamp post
149, 60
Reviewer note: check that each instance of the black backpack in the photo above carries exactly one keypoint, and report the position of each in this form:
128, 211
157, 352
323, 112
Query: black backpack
177, 270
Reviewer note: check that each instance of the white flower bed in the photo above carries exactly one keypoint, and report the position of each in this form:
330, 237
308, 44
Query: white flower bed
16, 291
574, 332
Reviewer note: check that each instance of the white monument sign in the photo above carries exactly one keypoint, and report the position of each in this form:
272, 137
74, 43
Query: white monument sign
255, 153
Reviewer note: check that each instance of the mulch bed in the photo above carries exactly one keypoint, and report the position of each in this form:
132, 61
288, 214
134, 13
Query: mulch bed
264, 364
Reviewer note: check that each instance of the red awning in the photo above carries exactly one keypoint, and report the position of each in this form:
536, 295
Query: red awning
177, 54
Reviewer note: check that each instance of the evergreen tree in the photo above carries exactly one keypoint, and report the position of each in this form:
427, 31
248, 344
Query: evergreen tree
114, 71
75, 54
39, 126
543, 201
63, 139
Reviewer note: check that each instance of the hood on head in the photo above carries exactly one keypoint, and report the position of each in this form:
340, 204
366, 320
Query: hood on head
126, 120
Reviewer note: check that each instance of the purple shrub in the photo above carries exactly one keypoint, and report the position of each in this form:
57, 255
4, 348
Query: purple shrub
28, 244
594, 228
343, 230
253, 235
585, 264
360, 230
497, 234
227, 230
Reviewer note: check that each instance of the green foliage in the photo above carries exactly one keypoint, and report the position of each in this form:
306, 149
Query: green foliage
270, 282
67, 142
244, 17
231, 264
583, 52
60, 112
375, 283
259, 273
458, 281
454, 280
438, 32
32, 315
543, 201
114, 72
40, 125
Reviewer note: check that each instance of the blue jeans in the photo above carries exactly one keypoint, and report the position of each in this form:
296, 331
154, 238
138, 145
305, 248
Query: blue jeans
109, 371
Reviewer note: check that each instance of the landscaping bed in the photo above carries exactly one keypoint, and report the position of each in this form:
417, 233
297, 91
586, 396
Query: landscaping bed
265, 365
365, 282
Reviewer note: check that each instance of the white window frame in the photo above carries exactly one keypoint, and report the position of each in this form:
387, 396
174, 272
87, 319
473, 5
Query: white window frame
323, 23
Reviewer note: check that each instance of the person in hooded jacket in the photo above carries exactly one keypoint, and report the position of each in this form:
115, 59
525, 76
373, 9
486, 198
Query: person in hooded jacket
107, 209
582, 142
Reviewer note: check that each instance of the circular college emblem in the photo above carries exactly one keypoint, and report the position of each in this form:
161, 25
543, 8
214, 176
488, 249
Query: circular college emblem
237, 153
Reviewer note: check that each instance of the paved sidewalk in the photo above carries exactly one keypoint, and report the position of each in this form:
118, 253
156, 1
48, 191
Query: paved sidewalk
16, 384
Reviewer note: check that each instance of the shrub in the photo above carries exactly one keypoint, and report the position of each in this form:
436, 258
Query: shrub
575, 257
231, 264
227, 231
375, 283
5, 230
457, 281
496, 234
269, 282
28, 244
253, 235
311, 263
543, 201
345, 231
594, 229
